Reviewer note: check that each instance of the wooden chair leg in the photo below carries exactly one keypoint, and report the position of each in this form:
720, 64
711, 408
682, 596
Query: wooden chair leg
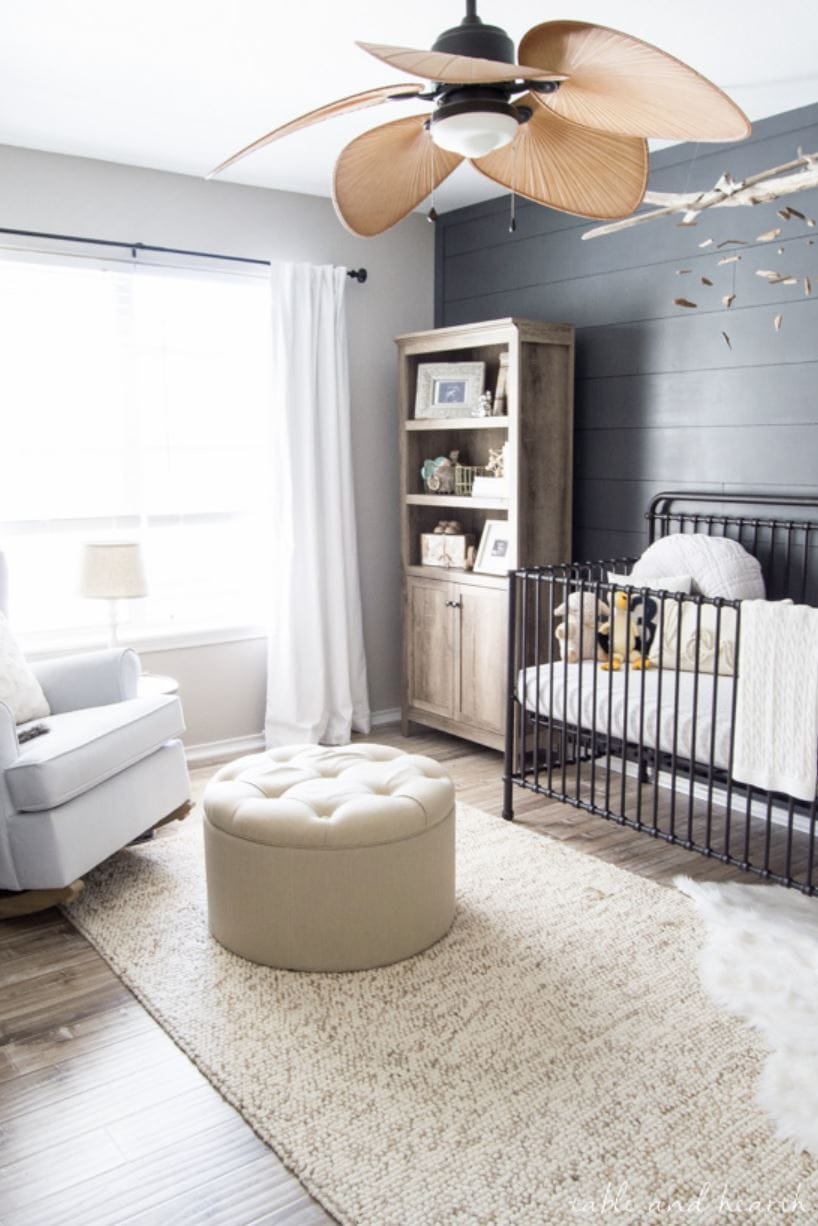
178, 815
28, 902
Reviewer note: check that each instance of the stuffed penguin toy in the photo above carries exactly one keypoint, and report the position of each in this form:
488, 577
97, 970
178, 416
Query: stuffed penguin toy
625, 639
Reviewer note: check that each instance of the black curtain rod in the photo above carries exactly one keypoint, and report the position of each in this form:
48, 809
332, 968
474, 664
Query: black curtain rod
357, 274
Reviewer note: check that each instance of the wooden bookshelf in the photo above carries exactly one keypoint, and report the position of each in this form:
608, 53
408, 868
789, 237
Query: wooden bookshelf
455, 622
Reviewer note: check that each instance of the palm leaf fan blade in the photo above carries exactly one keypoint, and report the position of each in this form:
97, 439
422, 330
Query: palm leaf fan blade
617, 83
454, 69
599, 175
381, 176
343, 106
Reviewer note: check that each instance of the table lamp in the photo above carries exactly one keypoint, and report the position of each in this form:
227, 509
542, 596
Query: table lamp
112, 571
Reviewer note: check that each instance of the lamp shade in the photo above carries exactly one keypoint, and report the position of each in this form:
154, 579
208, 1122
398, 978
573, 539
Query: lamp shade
113, 570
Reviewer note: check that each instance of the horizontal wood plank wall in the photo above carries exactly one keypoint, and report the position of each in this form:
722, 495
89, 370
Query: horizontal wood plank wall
661, 399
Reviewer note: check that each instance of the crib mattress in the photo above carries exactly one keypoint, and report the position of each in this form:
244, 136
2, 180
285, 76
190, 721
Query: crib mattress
655, 707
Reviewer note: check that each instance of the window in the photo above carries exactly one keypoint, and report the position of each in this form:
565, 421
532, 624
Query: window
135, 403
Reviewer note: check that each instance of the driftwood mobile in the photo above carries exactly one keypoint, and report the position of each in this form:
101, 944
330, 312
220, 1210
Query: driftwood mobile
763, 188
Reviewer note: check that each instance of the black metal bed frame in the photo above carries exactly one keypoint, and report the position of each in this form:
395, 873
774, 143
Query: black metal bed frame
637, 780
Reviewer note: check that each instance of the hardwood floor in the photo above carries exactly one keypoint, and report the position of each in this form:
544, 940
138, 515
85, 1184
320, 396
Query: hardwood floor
103, 1120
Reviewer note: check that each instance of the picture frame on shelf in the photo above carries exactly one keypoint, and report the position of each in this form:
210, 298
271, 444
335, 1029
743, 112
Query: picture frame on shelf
449, 389
495, 555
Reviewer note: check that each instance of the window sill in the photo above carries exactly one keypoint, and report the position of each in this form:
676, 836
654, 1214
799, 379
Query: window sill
146, 641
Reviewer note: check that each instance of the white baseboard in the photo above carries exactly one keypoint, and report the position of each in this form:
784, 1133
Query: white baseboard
236, 747
223, 751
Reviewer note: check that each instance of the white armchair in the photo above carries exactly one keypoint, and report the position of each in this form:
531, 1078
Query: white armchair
110, 768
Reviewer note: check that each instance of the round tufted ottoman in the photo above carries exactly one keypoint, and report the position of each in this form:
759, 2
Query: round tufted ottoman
330, 859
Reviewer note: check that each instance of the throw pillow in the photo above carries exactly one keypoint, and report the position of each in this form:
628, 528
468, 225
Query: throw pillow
19, 688
695, 628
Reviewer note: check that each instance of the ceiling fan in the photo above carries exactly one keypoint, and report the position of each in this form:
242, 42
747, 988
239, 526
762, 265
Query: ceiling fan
563, 125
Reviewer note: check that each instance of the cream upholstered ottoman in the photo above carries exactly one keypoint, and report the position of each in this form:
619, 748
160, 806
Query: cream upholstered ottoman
330, 859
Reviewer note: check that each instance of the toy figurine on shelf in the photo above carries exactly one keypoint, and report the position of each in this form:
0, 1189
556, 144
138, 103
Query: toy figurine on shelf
484, 407
496, 464
438, 474
493, 483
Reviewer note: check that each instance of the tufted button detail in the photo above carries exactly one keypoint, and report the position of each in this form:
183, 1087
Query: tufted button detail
316, 796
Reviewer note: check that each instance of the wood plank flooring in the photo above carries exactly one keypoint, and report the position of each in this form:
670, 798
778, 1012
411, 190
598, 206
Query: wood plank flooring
104, 1121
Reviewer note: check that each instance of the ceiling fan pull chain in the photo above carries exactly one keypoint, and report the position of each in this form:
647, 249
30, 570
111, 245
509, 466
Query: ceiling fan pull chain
512, 223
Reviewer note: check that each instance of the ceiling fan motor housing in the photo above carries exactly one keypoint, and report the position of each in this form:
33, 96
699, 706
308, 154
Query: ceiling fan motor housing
474, 120
474, 38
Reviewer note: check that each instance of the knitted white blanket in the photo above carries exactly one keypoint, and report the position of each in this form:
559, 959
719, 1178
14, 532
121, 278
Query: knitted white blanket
776, 733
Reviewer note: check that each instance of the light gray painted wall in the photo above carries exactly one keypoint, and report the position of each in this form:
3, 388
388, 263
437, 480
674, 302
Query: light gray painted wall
661, 400
223, 687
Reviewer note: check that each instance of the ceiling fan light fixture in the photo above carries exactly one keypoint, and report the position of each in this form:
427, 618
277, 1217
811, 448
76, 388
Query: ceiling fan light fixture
473, 128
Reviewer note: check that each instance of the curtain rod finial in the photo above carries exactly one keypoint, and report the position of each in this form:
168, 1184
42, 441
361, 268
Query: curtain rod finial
357, 274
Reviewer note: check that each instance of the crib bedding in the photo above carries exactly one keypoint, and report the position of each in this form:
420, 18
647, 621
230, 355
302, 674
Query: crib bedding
572, 690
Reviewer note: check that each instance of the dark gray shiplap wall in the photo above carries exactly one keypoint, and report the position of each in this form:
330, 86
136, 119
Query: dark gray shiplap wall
661, 400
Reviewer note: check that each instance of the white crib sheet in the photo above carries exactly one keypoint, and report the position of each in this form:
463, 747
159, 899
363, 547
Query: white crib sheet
566, 681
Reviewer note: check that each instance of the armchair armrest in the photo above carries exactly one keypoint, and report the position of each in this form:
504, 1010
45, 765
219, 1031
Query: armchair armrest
95, 679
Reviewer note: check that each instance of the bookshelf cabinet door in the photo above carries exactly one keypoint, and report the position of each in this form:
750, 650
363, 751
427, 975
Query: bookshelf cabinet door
480, 681
430, 646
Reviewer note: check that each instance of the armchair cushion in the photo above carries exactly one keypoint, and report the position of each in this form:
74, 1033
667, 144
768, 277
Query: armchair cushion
85, 747
19, 688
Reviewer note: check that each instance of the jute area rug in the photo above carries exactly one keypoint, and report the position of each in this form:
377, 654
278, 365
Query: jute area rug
553, 1060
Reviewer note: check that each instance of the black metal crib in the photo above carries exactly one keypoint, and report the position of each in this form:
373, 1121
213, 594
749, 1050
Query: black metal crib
652, 749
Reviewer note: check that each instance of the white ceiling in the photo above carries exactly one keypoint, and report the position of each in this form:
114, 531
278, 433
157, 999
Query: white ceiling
181, 84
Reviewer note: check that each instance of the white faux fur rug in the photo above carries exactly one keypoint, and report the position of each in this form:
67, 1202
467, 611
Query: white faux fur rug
553, 1060
761, 963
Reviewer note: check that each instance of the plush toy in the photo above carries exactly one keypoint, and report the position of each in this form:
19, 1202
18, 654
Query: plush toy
577, 635
645, 614
624, 639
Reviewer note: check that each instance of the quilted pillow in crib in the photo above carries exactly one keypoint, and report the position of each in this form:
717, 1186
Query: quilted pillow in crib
718, 566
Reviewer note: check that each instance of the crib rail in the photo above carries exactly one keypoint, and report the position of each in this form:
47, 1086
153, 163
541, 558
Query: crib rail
649, 746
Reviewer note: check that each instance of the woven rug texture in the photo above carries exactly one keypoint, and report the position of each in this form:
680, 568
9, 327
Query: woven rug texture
552, 1060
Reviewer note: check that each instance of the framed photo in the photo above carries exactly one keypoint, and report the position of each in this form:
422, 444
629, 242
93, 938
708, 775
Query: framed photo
449, 389
496, 553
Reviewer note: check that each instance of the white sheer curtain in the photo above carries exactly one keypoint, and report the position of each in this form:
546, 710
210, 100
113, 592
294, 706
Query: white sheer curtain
316, 681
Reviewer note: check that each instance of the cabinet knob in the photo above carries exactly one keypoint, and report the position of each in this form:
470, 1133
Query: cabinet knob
452, 604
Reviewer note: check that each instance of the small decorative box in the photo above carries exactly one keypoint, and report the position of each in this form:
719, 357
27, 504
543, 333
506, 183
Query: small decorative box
442, 549
489, 487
